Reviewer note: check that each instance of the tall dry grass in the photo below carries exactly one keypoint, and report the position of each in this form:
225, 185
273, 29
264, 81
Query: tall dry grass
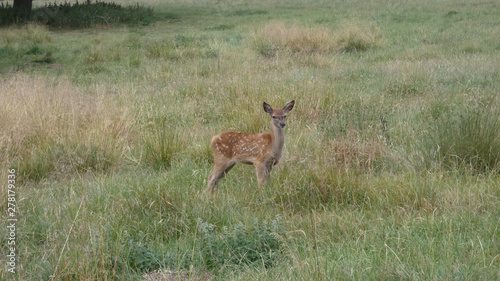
349, 36
50, 126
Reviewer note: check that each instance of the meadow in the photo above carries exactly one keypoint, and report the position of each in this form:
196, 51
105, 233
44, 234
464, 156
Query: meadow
391, 168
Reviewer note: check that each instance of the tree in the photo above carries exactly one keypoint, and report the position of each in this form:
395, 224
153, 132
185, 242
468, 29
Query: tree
23, 7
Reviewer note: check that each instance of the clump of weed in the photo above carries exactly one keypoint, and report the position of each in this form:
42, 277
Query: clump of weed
240, 245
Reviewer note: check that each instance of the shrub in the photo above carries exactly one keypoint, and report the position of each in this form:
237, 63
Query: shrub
8, 15
81, 15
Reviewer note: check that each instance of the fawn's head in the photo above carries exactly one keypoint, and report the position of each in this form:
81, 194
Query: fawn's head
279, 115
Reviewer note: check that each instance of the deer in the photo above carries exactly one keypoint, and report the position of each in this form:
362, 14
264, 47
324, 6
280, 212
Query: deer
263, 150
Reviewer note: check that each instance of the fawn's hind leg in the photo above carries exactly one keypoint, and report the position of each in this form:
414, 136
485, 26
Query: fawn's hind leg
220, 171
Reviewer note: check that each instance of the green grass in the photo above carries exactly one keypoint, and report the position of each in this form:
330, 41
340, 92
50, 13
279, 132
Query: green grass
390, 169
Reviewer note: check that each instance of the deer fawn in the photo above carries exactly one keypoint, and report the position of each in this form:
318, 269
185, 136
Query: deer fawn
263, 150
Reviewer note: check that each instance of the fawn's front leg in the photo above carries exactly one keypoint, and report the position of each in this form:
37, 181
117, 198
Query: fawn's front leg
263, 172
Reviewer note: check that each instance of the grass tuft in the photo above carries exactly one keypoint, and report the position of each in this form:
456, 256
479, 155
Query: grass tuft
293, 39
161, 144
357, 37
469, 140
279, 37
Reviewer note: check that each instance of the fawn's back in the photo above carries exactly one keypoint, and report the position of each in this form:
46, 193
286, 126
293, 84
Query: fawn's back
246, 148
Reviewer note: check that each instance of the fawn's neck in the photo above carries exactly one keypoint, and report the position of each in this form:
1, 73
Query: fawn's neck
278, 137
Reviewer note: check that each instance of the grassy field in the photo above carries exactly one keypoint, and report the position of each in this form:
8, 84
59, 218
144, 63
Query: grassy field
391, 169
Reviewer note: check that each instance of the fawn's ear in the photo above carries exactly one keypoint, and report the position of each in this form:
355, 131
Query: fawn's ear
268, 108
289, 106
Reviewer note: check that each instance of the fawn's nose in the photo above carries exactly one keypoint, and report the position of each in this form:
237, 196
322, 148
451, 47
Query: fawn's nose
282, 124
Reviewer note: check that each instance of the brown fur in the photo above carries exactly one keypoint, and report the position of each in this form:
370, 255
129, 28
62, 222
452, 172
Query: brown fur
262, 149
245, 147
